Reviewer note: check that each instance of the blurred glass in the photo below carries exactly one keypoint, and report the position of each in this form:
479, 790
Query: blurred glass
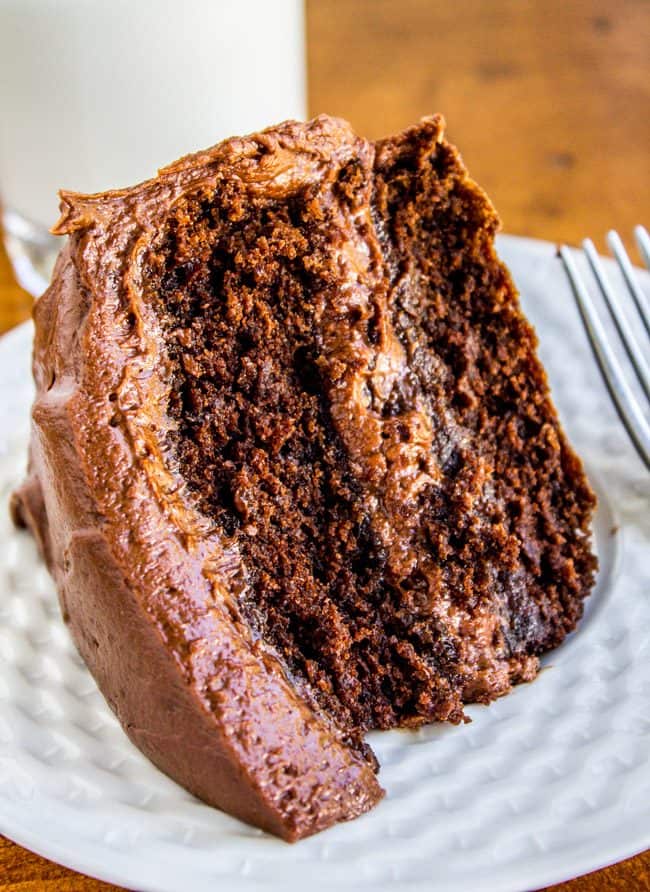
98, 94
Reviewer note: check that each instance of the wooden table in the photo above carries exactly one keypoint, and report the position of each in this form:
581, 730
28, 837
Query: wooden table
550, 104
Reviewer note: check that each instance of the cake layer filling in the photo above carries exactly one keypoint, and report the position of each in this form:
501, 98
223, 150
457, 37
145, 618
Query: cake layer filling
356, 406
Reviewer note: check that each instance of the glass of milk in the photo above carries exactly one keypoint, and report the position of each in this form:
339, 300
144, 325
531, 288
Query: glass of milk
98, 94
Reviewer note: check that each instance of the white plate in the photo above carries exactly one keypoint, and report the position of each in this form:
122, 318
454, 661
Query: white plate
547, 783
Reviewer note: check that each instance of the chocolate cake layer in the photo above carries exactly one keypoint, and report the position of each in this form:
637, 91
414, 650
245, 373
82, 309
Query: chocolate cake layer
295, 467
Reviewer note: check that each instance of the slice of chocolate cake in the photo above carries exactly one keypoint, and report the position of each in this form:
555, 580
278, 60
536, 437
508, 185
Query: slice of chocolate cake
294, 464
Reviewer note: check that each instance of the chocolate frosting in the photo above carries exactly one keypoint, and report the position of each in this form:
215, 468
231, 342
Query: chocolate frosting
146, 583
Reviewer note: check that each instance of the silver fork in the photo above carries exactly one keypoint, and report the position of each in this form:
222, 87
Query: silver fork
630, 409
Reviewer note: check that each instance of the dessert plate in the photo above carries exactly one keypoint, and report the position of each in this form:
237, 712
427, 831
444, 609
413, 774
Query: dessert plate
547, 783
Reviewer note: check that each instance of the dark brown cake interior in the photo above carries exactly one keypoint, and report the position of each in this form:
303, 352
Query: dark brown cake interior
398, 580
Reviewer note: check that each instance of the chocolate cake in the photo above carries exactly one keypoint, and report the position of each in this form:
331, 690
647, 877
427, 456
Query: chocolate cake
294, 464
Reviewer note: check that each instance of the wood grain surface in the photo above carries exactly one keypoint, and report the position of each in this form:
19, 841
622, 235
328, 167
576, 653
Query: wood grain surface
549, 102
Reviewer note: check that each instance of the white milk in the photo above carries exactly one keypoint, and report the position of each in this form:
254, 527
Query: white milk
96, 94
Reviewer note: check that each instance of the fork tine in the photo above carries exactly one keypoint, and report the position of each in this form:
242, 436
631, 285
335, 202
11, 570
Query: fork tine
624, 400
622, 325
643, 242
615, 243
